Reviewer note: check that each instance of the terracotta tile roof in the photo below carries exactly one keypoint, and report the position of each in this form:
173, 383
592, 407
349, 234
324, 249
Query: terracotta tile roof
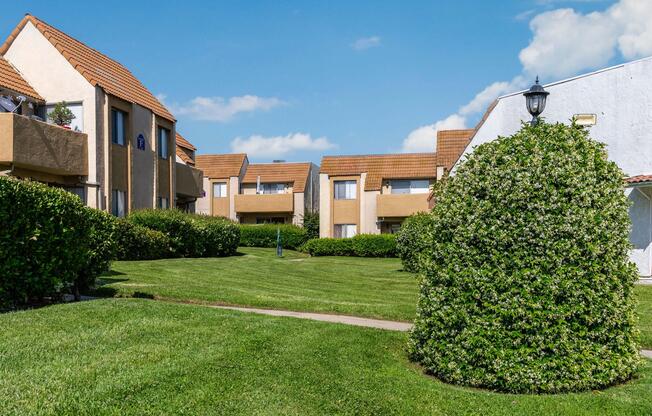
181, 141
221, 166
639, 179
379, 167
185, 150
450, 145
97, 68
297, 173
12, 80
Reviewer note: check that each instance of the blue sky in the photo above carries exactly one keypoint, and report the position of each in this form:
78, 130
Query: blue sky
296, 80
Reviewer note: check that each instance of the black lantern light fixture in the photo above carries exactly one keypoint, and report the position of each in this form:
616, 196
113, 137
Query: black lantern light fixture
535, 100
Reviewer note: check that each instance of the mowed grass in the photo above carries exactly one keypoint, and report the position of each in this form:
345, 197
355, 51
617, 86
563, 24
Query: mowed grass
139, 357
369, 287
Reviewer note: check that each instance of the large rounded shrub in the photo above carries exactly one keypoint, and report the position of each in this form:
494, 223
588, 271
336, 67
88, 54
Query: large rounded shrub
264, 235
529, 286
135, 242
44, 241
414, 241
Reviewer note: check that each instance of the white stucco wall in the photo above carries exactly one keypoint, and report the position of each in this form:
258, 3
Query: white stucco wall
324, 205
621, 98
56, 80
234, 189
640, 213
299, 208
368, 215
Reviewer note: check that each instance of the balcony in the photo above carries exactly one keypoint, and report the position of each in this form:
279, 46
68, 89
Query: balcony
36, 147
268, 203
400, 205
189, 181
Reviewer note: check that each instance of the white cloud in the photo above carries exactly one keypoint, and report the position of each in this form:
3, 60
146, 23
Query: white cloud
277, 146
564, 43
366, 43
220, 109
424, 138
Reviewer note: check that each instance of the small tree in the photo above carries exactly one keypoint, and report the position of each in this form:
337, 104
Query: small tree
311, 224
61, 114
528, 286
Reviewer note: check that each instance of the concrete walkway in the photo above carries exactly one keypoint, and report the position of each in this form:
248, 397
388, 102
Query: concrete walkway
340, 319
343, 319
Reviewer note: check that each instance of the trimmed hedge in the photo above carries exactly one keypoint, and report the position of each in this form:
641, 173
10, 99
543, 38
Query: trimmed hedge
362, 245
103, 247
264, 235
529, 288
45, 242
135, 242
414, 241
191, 235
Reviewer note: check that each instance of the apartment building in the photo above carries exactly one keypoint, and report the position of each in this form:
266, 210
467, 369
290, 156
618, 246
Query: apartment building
373, 194
222, 175
278, 192
189, 180
257, 193
118, 153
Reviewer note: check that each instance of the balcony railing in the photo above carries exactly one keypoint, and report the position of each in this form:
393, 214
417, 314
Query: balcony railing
189, 181
400, 205
264, 203
36, 146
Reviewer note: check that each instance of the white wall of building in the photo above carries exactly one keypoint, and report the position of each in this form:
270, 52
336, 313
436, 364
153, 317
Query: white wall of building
641, 235
43, 66
203, 204
324, 205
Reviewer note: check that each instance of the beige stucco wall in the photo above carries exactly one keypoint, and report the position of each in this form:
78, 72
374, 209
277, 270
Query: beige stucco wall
234, 189
203, 204
220, 205
42, 147
299, 208
56, 80
324, 206
142, 161
272, 203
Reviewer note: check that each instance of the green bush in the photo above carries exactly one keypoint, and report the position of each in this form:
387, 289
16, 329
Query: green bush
44, 241
135, 242
219, 236
414, 241
177, 225
264, 235
102, 249
362, 245
329, 247
190, 235
529, 286
374, 245
311, 224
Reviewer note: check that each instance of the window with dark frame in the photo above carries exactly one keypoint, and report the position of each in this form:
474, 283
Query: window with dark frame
118, 127
163, 140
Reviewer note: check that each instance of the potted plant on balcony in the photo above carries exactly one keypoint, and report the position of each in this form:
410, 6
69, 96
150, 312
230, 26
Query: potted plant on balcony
61, 115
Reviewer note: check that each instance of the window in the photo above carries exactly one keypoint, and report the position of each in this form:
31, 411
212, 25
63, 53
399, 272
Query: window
345, 189
77, 123
163, 140
77, 190
417, 186
163, 203
118, 203
271, 188
219, 190
270, 220
118, 127
345, 230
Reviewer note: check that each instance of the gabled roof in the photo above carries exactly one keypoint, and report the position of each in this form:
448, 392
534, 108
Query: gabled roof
379, 167
12, 80
97, 68
450, 145
184, 150
221, 166
297, 173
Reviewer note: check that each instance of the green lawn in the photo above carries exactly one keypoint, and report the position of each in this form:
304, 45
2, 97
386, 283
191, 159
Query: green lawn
644, 295
374, 288
135, 356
